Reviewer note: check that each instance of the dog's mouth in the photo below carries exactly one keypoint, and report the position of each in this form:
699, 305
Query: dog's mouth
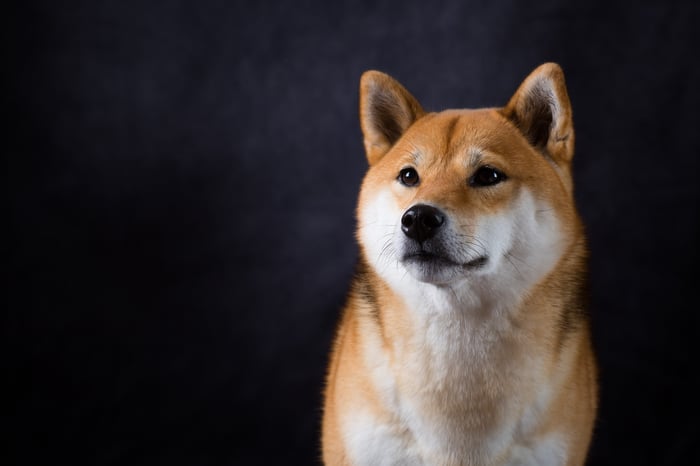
436, 260
430, 267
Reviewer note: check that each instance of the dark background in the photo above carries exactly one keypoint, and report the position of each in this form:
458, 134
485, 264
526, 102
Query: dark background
182, 178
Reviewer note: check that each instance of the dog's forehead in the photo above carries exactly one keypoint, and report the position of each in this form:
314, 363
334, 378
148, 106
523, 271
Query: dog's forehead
461, 133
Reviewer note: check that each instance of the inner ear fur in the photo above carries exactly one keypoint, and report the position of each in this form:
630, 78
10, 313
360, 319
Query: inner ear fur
541, 110
387, 110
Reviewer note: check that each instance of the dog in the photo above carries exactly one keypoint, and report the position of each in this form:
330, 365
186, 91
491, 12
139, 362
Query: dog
465, 338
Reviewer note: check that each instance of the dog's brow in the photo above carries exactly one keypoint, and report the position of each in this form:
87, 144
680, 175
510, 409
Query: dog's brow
416, 156
475, 157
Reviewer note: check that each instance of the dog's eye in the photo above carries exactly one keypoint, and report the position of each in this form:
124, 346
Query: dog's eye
408, 176
486, 176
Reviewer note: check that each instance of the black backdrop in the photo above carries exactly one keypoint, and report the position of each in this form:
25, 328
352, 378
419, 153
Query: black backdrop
182, 178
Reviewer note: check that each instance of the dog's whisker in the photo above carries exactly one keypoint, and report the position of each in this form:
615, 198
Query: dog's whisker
508, 258
520, 260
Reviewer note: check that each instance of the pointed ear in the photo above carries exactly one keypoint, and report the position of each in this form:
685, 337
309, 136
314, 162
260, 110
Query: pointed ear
387, 109
540, 108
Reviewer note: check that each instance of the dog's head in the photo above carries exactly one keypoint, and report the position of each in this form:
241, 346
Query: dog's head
467, 195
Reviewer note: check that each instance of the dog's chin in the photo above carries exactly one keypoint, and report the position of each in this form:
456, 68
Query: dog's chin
439, 270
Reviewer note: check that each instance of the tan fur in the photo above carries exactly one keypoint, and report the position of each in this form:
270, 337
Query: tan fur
521, 352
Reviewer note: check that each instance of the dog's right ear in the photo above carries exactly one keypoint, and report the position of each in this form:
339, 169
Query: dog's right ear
387, 109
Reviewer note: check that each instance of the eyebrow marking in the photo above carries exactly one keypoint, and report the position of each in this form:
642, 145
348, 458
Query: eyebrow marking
475, 157
416, 156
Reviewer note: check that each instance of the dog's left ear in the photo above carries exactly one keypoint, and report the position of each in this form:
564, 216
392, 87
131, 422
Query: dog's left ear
540, 108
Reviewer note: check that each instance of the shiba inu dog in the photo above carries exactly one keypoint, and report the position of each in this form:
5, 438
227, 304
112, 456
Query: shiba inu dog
465, 339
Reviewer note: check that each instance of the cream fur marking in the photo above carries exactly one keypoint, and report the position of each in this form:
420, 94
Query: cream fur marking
453, 334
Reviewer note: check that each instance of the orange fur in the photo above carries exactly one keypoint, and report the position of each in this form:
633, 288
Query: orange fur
491, 365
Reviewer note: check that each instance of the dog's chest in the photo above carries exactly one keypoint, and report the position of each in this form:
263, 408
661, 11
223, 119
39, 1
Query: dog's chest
452, 396
454, 393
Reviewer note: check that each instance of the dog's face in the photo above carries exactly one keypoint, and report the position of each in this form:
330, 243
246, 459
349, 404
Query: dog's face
466, 194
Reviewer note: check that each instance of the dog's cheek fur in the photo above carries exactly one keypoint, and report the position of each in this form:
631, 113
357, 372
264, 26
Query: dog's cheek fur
538, 238
378, 217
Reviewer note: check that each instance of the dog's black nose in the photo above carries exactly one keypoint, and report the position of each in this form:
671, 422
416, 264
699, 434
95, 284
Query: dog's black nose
421, 222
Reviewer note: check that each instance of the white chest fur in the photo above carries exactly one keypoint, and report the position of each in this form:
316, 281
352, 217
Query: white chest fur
460, 392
